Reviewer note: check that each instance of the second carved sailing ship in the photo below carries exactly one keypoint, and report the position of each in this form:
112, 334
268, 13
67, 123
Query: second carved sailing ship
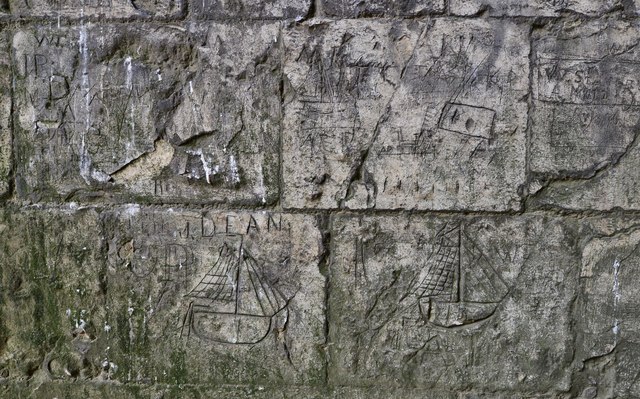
458, 285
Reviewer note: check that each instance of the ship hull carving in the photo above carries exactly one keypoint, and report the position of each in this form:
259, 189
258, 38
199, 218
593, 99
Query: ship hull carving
448, 315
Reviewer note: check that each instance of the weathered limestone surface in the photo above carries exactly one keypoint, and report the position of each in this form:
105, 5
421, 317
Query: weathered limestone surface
138, 295
417, 115
453, 302
77, 9
586, 115
381, 8
249, 9
5, 113
153, 111
537, 8
608, 306
319, 199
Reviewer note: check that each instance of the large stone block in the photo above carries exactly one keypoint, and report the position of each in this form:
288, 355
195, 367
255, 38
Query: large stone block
250, 9
455, 303
208, 297
424, 115
154, 113
53, 281
170, 297
607, 311
5, 112
586, 115
380, 8
81, 9
534, 8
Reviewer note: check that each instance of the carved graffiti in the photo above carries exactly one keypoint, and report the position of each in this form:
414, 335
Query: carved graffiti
234, 302
458, 285
230, 273
444, 103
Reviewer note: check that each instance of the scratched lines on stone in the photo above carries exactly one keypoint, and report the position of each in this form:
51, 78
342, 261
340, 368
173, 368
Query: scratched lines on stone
68, 5
328, 127
235, 301
579, 110
579, 81
114, 91
568, 125
330, 120
460, 285
92, 8
455, 286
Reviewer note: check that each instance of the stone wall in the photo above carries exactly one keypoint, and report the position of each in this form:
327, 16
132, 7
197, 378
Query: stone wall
319, 198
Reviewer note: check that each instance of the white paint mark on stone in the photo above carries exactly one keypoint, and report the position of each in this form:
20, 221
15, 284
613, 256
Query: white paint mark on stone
234, 175
132, 335
100, 176
616, 299
209, 170
262, 191
107, 365
231, 279
81, 324
129, 73
132, 209
85, 162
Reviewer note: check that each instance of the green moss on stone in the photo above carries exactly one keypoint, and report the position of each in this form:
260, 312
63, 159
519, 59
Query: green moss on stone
178, 373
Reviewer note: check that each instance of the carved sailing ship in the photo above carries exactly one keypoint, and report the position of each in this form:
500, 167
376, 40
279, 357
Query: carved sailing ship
233, 303
458, 285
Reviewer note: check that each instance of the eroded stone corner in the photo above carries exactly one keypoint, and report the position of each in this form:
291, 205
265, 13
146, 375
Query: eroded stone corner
584, 147
606, 326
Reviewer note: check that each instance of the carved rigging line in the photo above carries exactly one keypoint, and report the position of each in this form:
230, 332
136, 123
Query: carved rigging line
233, 303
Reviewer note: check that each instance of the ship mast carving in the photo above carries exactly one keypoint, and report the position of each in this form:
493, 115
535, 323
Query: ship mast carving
458, 285
233, 303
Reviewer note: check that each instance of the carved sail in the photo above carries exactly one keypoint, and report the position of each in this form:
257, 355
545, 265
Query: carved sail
459, 285
232, 303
